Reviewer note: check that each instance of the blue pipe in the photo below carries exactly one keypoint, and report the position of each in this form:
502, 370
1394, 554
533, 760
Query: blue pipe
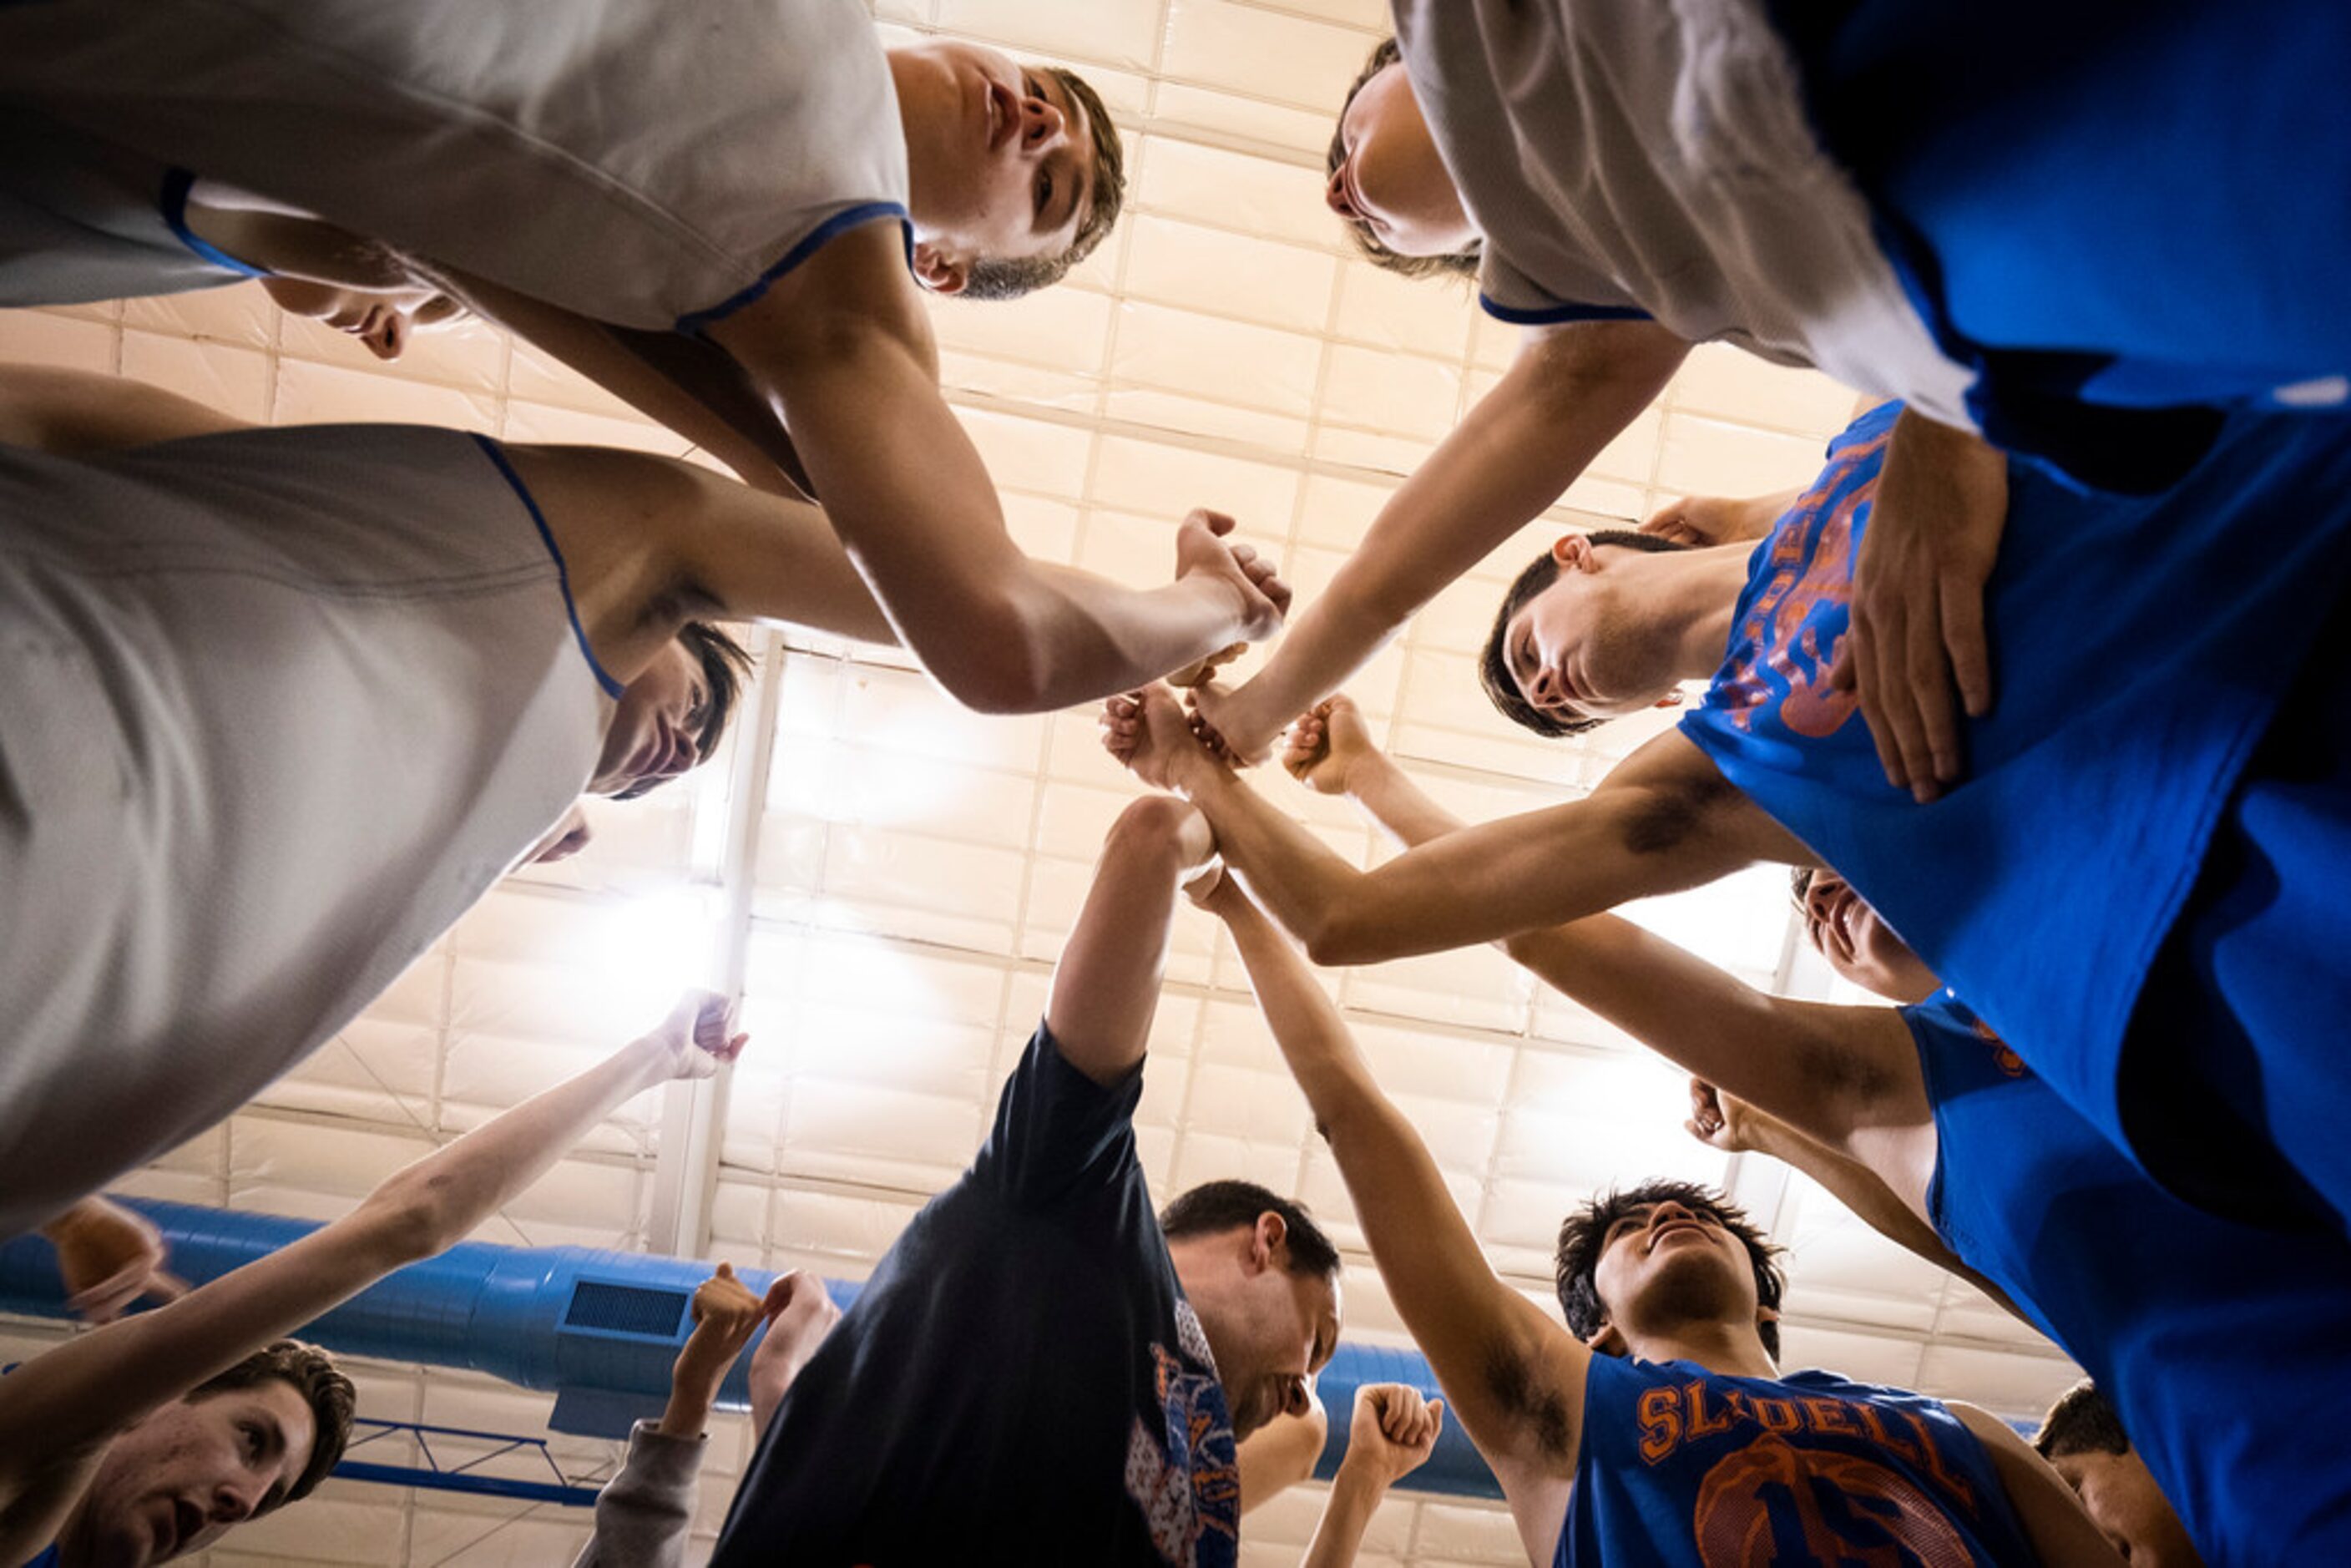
600, 1329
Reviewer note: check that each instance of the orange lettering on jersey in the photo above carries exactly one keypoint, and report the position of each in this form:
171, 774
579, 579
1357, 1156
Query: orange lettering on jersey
1884, 1438
1661, 1423
1702, 1424
1776, 1415
1834, 1417
1957, 1485
2006, 1059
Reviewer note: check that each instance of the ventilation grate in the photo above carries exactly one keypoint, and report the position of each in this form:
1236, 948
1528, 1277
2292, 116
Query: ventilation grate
626, 1308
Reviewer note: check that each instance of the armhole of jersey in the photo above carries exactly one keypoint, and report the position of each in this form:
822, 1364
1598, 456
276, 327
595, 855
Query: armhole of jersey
695, 322
1552, 314
173, 203
1937, 1216
490, 449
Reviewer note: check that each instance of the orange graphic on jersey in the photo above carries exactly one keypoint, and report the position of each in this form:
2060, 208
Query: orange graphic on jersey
1773, 1504
2007, 1060
1777, 626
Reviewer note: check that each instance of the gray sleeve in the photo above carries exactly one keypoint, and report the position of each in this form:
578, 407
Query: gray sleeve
644, 1514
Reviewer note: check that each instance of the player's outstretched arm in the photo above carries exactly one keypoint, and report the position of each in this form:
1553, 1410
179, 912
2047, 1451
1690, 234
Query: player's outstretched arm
1664, 821
58, 1411
1282, 1453
2063, 1535
1106, 985
842, 347
1724, 1121
643, 1514
1845, 1076
1392, 1434
1514, 1377
1571, 390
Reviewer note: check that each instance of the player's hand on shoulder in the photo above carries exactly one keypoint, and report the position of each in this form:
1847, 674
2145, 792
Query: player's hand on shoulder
1916, 638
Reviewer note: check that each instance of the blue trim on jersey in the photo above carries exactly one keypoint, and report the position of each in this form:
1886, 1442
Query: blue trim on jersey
1550, 315
177, 184
613, 688
694, 321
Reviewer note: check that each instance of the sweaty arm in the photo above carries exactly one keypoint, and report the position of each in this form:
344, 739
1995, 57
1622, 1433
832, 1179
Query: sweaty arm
1571, 391
2053, 1520
842, 346
1513, 1377
60, 1410
1665, 819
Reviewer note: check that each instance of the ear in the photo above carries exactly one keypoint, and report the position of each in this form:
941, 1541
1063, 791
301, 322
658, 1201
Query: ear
1574, 553
1606, 1341
1267, 1239
937, 271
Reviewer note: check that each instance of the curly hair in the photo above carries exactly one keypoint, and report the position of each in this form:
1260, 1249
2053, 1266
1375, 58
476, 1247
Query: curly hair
1460, 264
997, 277
1584, 1236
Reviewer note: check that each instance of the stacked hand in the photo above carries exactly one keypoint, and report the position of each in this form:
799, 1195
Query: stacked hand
1393, 1432
1150, 734
1325, 744
725, 1316
1723, 1122
697, 1036
1201, 548
799, 1315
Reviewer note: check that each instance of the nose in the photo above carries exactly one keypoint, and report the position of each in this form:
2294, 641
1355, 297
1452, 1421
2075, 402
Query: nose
1337, 197
387, 334
1042, 125
233, 1504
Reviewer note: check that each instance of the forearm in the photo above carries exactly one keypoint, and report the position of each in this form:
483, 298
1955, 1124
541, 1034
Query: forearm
645, 1513
1355, 1497
74, 413
1569, 393
1105, 988
1404, 810
691, 1400
433, 1203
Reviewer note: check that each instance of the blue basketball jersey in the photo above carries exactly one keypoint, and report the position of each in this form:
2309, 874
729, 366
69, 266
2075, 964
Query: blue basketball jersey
2223, 1348
1680, 1468
2140, 648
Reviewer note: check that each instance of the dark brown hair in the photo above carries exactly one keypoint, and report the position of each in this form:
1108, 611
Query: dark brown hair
1219, 1206
2081, 1422
995, 277
1494, 667
312, 1374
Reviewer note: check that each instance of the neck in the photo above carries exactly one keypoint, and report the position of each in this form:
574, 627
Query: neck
1195, 1260
1694, 596
1733, 1349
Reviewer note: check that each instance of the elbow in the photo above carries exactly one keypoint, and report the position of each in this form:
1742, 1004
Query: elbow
406, 1223
1333, 938
997, 666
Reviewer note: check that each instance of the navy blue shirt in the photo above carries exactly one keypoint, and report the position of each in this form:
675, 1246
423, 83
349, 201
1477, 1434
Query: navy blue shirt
1683, 1468
2222, 1347
1020, 1382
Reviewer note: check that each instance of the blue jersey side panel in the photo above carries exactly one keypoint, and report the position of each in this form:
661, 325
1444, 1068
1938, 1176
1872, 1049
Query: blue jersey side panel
2222, 1347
